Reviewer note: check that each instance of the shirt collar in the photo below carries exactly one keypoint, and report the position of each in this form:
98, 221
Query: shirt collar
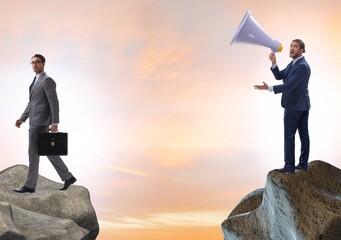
296, 59
39, 74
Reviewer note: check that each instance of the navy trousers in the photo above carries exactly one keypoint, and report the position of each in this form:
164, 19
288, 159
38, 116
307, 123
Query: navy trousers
293, 121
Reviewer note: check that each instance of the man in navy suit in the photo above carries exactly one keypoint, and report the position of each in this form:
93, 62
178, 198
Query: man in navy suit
296, 102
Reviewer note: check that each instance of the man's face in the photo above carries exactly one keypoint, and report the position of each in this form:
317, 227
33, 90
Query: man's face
37, 65
295, 50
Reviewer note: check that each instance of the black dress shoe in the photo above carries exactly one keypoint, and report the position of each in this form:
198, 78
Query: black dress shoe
68, 183
299, 167
24, 190
284, 170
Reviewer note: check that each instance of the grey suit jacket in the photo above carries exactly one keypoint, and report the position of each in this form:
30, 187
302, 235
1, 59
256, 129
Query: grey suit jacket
43, 106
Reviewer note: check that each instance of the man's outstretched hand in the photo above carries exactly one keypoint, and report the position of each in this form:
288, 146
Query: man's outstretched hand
262, 87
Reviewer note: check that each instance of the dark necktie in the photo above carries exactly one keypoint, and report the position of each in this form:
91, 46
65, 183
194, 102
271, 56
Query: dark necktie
32, 84
287, 69
290, 65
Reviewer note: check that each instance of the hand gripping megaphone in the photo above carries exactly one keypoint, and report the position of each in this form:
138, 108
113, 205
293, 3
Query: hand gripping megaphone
250, 32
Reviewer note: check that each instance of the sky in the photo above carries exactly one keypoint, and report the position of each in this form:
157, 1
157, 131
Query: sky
165, 128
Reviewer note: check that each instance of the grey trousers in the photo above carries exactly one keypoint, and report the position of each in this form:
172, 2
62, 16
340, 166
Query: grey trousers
33, 167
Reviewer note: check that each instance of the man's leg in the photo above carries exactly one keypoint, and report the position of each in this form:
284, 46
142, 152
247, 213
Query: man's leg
33, 167
305, 140
62, 171
60, 167
291, 120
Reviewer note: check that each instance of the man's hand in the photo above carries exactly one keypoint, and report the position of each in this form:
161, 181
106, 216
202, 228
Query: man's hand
18, 123
272, 58
54, 128
262, 87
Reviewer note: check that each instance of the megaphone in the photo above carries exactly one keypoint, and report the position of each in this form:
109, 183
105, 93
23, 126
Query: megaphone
250, 32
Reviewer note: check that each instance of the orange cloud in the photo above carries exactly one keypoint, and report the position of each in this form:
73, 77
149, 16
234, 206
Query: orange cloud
126, 170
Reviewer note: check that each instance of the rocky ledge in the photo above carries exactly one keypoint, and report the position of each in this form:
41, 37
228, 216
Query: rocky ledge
300, 206
48, 213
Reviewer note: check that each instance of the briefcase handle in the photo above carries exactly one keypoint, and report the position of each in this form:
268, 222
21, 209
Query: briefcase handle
51, 131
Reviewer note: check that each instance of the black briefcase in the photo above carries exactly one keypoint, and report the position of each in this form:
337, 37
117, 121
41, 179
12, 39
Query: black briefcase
52, 144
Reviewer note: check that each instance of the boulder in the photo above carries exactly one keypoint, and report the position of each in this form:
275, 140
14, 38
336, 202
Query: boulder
300, 206
46, 214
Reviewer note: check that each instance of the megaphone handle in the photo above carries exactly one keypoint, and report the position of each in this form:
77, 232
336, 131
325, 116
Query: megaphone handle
272, 57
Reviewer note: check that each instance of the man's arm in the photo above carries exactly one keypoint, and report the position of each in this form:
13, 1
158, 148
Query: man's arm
25, 114
272, 58
294, 80
52, 98
23, 117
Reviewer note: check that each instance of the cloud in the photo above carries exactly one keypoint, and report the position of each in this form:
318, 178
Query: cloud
126, 170
160, 108
167, 219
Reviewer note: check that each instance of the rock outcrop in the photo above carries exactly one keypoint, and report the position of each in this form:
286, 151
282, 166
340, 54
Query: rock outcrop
48, 213
302, 206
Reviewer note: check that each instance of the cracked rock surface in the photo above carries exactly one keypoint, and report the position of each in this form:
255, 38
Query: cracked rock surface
46, 214
302, 206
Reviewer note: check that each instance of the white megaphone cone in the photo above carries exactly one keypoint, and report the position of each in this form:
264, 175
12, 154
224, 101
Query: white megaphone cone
250, 32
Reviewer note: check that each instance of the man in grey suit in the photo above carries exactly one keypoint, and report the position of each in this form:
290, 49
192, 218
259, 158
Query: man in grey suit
43, 112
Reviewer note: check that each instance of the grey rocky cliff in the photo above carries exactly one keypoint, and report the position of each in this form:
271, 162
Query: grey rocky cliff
48, 213
302, 206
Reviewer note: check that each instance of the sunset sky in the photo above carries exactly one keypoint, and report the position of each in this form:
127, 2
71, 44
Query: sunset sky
165, 128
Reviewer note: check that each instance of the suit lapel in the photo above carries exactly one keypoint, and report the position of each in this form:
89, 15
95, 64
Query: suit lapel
291, 66
288, 69
37, 83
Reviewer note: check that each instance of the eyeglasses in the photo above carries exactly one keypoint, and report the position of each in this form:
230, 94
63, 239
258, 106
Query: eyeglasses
35, 62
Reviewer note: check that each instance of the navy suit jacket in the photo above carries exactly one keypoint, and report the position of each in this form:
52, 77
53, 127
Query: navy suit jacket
295, 94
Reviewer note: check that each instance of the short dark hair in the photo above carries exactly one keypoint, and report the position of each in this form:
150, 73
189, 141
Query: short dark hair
41, 57
301, 43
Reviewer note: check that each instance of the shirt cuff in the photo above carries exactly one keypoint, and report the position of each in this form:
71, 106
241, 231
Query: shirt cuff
271, 88
274, 65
